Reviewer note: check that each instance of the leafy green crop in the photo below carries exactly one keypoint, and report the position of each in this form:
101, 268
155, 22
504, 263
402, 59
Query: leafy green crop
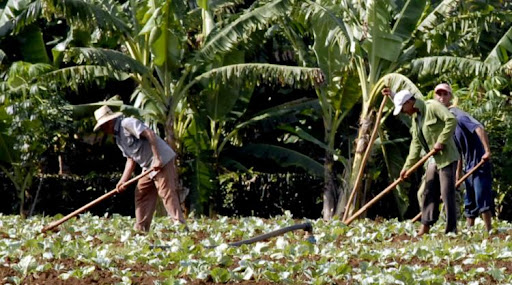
106, 250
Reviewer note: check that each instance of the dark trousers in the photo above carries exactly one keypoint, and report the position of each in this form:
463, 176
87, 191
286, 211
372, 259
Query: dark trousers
440, 183
479, 197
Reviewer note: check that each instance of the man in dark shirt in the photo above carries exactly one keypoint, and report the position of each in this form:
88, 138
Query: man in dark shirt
473, 144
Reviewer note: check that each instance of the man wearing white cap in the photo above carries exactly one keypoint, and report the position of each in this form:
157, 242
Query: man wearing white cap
432, 128
140, 145
473, 144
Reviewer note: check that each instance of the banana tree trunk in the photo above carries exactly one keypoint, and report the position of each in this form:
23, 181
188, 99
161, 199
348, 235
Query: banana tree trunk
23, 190
22, 203
329, 195
63, 167
362, 141
171, 140
169, 133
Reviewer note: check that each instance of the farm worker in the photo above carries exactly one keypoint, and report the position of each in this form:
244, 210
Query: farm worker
140, 145
432, 128
473, 144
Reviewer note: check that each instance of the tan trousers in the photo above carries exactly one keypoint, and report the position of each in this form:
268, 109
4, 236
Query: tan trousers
163, 184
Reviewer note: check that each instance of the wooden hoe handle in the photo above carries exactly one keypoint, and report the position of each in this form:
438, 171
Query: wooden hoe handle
389, 188
92, 203
418, 216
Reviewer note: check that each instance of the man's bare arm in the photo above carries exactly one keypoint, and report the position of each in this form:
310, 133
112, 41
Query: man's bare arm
482, 134
127, 173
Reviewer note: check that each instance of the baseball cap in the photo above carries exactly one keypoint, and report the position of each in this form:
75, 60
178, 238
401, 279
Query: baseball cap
443, 86
400, 99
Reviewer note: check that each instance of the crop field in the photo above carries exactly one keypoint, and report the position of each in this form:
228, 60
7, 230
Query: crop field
105, 250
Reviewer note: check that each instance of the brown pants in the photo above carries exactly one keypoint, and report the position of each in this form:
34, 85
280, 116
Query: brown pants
163, 184
440, 183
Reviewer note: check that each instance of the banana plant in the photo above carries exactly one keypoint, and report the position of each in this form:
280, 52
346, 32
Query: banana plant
497, 62
160, 48
365, 41
219, 144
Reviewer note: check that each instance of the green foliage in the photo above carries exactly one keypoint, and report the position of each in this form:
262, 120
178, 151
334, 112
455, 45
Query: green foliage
259, 73
33, 120
225, 39
198, 174
111, 59
285, 157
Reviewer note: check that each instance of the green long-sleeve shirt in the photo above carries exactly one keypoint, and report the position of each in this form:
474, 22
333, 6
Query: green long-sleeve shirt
437, 125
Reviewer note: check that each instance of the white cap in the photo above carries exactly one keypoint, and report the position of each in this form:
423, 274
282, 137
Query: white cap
399, 100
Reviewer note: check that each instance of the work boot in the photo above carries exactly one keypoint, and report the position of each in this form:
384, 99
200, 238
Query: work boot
424, 229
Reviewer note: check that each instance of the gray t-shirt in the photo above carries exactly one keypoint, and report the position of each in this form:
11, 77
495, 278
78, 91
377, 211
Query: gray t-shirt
127, 135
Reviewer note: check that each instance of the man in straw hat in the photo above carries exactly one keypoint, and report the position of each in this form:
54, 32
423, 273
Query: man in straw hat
140, 145
432, 128
473, 144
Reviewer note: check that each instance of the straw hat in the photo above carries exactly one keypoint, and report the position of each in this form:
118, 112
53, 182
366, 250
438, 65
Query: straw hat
103, 115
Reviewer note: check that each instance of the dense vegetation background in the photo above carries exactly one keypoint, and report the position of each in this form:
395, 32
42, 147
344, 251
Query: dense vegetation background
269, 104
